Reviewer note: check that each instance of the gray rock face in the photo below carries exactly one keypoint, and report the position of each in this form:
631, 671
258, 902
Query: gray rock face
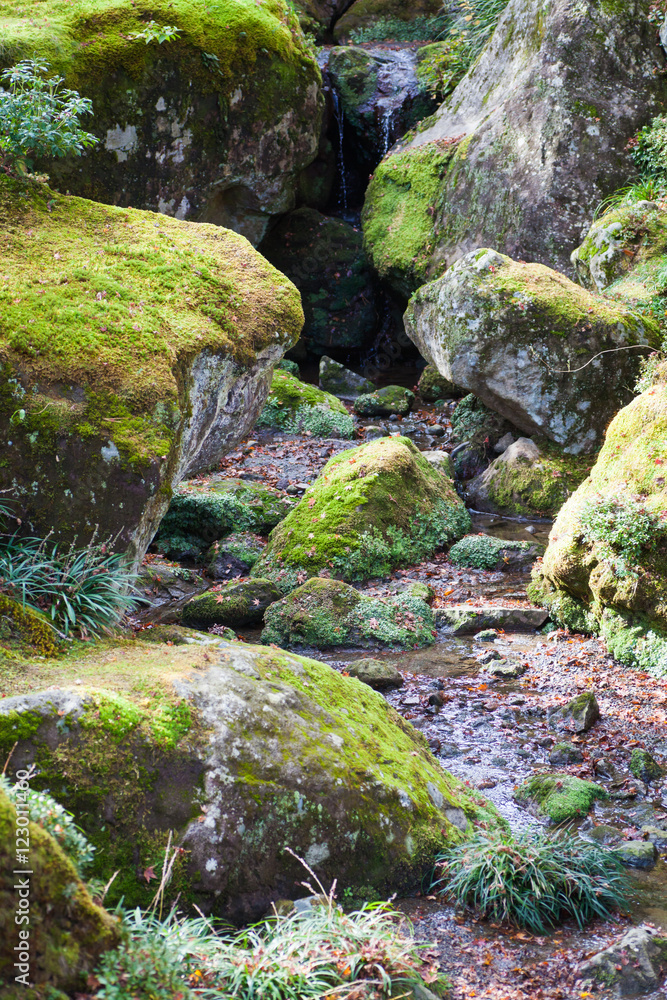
527, 341
545, 114
633, 965
340, 381
377, 674
465, 620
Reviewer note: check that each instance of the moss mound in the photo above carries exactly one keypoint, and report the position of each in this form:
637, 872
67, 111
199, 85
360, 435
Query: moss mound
325, 613
296, 406
370, 510
560, 797
385, 402
235, 556
487, 552
66, 932
232, 605
26, 628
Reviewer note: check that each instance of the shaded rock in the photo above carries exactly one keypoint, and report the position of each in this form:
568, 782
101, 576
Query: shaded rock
234, 555
67, 932
372, 433
559, 797
377, 674
488, 656
215, 126
324, 613
372, 508
325, 258
565, 753
441, 461
644, 767
606, 836
503, 444
298, 407
102, 434
342, 382
433, 386
231, 605
486, 552
385, 402
520, 335
462, 619
633, 965
656, 835
530, 140
579, 715
162, 582
637, 853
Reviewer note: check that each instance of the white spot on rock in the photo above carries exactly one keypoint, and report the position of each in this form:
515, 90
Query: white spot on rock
109, 452
121, 141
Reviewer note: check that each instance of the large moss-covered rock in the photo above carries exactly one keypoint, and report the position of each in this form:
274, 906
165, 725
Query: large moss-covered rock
325, 259
384, 402
539, 125
231, 604
370, 510
134, 350
215, 125
64, 933
526, 339
606, 562
241, 751
296, 406
325, 612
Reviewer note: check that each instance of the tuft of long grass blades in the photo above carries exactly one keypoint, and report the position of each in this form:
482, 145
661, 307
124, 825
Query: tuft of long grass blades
649, 189
533, 880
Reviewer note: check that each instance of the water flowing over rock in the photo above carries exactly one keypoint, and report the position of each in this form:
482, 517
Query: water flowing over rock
528, 342
214, 125
535, 136
130, 365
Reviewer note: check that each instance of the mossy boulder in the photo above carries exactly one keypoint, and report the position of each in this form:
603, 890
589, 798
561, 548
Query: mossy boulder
527, 479
483, 172
298, 407
65, 933
522, 337
215, 125
433, 386
326, 612
370, 510
559, 797
134, 350
342, 382
579, 715
605, 567
644, 766
486, 552
26, 628
391, 399
202, 511
378, 674
231, 604
234, 555
240, 751
325, 259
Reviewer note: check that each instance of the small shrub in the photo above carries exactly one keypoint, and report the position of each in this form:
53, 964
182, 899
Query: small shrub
154, 32
649, 149
38, 118
320, 422
533, 880
292, 367
623, 529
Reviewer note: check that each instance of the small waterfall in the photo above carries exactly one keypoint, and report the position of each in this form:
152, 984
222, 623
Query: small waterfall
340, 119
386, 121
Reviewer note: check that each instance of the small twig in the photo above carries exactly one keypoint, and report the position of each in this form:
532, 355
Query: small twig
4, 770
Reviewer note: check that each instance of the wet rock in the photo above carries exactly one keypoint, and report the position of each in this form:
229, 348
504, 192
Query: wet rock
378, 674
462, 619
644, 767
632, 966
604, 768
488, 656
163, 582
486, 552
604, 835
656, 835
371, 509
231, 605
325, 613
325, 258
486, 635
578, 716
415, 588
388, 401
449, 750
433, 386
522, 312
506, 670
298, 407
638, 853
565, 753
233, 556
559, 797
437, 430
342, 382
373, 433
436, 699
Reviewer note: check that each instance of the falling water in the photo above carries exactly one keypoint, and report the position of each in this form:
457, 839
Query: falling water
340, 118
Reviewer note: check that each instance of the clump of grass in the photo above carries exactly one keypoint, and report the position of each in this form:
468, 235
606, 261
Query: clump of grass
647, 189
533, 880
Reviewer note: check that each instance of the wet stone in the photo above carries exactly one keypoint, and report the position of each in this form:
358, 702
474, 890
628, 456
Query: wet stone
644, 767
565, 753
638, 853
377, 674
655, 835
578, 715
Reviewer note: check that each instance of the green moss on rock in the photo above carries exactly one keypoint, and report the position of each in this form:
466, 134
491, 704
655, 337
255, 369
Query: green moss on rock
559, 797
486, 552
26, 627
385, 402
433, 386
326, 612
296, 406
371, 509
232, 605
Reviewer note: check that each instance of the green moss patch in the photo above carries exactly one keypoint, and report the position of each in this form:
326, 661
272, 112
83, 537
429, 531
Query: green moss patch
385, 402
232, 605
325, 613
371, 509
560, 797
296, 406
487, 552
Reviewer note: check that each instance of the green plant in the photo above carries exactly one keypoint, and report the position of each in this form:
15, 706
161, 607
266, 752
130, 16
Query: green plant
52, 817
84, 590
649, 149
649, 368
533, 880
483, 551
154, 32
622, 528
396, 29
648, 189
38, 118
